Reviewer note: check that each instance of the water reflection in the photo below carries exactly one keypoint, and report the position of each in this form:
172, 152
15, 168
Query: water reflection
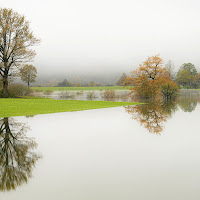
105, 95
17, 156
91, 95
187, 104
153, 114
188, 100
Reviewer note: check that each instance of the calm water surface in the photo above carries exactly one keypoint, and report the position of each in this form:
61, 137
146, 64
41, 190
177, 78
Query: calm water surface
141, 152
96, 95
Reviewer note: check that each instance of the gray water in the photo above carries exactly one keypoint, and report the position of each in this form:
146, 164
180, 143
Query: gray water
140, 152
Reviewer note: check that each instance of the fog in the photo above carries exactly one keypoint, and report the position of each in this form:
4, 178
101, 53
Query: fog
110, 36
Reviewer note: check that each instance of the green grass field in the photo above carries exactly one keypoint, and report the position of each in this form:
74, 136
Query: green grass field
24, 107
80, 88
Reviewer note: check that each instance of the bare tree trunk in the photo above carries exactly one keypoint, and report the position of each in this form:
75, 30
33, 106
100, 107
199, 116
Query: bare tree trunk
5, 79
5, 85
28, 84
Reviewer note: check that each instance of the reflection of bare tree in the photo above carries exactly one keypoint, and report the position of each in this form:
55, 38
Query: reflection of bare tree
17, 157
152, 115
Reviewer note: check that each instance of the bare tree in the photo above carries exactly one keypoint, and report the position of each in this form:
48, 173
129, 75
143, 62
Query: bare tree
170, 67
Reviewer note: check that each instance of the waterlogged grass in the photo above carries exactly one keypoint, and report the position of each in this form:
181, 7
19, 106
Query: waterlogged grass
80, 88
24, 107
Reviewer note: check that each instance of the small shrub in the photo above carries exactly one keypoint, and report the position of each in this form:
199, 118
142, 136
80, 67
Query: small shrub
47, 92
109, 94
17, 89
9, 95
37, 90
79, 93
66, 95
91, 95
169, 90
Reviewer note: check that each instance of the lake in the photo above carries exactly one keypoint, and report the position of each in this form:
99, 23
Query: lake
149, 151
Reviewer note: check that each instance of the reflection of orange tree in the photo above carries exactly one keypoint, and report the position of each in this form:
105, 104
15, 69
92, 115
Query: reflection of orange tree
17, 157
152, 115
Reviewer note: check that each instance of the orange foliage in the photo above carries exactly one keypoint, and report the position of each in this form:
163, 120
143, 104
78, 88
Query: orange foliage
148, 78
168, 89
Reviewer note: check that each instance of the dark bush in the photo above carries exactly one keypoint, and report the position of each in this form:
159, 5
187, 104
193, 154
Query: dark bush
8, 95
169, 90
17, 89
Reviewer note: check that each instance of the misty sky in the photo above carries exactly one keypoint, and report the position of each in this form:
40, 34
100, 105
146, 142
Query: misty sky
111, 35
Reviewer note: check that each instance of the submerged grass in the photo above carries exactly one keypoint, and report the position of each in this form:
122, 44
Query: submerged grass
80, 88
24, 107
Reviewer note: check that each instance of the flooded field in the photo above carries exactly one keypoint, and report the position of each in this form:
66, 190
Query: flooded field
104, 95
142, 152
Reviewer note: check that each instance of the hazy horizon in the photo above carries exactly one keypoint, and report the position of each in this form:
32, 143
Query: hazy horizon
110, 36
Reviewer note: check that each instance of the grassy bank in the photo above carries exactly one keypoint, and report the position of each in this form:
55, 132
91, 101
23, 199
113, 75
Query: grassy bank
24, 107
80, 88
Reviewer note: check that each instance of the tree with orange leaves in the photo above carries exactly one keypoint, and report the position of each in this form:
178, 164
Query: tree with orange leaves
148, 79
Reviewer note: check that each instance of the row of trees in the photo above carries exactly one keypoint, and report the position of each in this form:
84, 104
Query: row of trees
66, 83
186, 77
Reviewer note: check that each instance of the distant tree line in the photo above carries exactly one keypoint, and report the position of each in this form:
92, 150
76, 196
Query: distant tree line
66, 83
187, 76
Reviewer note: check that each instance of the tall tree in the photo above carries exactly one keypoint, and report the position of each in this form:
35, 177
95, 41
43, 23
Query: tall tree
184, 78
148, 78
16, 38
28, 74
186, 75
189, 67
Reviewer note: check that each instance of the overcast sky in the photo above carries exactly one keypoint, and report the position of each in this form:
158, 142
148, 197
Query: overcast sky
98, 35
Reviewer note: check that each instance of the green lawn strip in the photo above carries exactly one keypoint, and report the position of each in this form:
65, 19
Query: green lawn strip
24, 107
80, 88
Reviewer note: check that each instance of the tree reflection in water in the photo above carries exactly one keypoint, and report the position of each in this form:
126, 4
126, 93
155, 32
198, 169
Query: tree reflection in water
17, 157
187, 104
153, 114
188, 100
